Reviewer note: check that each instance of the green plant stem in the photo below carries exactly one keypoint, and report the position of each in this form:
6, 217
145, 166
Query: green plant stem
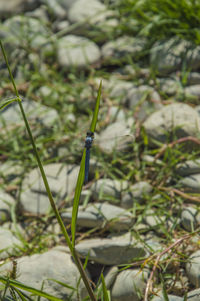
58, 217
46, 184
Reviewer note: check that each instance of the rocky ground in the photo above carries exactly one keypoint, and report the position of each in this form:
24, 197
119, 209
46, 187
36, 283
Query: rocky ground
139, 218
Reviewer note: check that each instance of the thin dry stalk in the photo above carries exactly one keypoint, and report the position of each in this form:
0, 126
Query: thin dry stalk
172, 144
149, 282
194, 199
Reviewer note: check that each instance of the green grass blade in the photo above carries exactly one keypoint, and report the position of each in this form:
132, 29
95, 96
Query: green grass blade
46, 184
96, 110
29, 289
20, 294
63, 284
47, 187
164, 291
78, 190
10, 73
5, 104
81, 175
106, 296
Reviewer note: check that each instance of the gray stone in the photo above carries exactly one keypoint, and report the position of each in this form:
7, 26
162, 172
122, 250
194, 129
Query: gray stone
191, 183
193, 78
40, 13
40, 269
150, 160
77, 51
129, 284
108, 26
136, 192
62, 181
169, 55
190, 218
192, 92
122, 46
170, 297
178, 118
153, 219
169, 86
131, 70
9, 244
8, 8
189, 167
66, 4
116, 137
90, 11
111, 251
193, 269
55, 8
85, 196
6, 201
144, 100
35, 112
117, 115
100, 215
194, 295
46, 91
17, 230
153, 245
110, 276
10, 170
18, 28
62, 25
108, 189
118, 88
197, 108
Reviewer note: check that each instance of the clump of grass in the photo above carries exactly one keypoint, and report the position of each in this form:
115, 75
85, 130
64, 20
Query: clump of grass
158, 19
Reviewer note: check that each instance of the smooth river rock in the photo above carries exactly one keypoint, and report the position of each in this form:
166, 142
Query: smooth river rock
55, 264
102, 215
76, 51
111, 251
178, 118
62, 181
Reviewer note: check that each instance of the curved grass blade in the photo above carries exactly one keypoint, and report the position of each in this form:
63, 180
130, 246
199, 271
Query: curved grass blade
106, 296
96, 110
16, 284
81, 175
5, 104
63, 284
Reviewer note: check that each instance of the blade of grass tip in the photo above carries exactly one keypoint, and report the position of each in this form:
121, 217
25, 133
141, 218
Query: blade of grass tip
81, 175
10, 73
105, 291
96, 110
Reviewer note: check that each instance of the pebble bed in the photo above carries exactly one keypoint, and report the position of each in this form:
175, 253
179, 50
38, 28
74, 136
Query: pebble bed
110, 234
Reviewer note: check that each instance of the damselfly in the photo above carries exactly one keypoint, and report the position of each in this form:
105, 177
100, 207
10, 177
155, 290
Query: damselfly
88, 144
118, 143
